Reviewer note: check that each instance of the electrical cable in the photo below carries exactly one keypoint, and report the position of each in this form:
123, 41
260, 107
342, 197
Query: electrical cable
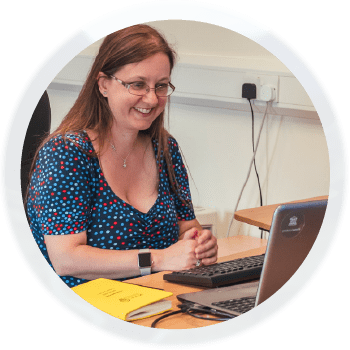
256, 171
250, 168
225, 317
192, 310
153, 325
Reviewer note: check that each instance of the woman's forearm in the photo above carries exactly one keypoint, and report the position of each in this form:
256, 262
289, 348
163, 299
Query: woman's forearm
90, 263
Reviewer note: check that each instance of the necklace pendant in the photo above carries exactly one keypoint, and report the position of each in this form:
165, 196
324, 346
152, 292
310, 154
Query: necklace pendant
124, 165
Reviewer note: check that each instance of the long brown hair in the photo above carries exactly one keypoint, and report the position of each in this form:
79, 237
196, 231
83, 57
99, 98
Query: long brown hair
91, 110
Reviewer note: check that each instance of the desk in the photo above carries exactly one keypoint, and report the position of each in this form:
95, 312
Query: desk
262, 216
229, 248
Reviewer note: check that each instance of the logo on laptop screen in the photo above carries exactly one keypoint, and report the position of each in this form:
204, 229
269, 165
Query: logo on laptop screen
293, 221
293, 224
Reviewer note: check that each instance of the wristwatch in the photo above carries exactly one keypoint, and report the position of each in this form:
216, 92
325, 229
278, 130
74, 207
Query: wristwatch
145, 262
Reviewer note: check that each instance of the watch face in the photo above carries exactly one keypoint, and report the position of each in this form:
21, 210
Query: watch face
145, 260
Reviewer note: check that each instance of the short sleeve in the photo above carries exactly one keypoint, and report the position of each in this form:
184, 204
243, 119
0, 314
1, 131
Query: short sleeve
59, 194
184, 212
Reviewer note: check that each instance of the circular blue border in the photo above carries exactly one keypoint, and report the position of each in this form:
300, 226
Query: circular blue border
10, 189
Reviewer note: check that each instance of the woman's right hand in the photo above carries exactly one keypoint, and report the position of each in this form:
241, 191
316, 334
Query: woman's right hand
179, 256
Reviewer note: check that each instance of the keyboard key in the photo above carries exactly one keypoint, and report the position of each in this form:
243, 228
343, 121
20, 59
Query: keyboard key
241, 305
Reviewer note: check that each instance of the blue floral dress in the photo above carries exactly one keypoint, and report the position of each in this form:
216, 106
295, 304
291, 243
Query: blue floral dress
69, 194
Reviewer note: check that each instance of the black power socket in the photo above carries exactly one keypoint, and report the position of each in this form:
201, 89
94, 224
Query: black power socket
249, 91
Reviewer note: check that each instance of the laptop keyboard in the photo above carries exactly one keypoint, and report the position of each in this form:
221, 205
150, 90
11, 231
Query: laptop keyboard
220, 274
241, 305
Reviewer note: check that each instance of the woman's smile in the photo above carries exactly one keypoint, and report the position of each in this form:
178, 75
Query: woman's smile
143, 110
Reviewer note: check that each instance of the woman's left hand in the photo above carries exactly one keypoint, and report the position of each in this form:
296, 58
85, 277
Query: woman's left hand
207, 249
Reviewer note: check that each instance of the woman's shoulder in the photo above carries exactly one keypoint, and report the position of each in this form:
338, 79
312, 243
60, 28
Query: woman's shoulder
172, 143
173, 146
69, 151
73, 141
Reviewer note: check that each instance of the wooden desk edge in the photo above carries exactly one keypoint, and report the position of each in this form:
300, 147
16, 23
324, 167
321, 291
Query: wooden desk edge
262, 216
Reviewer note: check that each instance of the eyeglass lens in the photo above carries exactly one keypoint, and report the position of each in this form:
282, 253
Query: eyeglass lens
142, 89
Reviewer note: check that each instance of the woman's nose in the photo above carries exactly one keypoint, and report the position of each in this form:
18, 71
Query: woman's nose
150, 97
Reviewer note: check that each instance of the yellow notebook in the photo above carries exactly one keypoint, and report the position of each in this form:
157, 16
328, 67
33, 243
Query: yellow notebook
124, 300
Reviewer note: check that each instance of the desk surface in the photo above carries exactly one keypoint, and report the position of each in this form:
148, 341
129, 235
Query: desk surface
262, 216
229, 248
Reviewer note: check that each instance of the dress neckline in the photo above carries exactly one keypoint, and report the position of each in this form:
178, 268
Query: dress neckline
130, 206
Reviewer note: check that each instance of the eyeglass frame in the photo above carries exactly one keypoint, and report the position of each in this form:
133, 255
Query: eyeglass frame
148, 89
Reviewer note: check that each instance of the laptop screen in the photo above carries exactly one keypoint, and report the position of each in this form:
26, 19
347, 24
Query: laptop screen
294, 229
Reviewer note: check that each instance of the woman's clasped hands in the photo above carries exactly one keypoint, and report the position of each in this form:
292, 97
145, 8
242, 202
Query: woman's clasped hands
195, 245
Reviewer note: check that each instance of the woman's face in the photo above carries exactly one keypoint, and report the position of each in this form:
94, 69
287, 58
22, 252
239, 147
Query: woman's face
133, 112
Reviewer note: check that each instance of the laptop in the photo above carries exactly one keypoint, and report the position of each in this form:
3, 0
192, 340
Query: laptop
293, 231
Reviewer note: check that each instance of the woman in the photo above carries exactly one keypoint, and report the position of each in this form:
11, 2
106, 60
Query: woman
110, 180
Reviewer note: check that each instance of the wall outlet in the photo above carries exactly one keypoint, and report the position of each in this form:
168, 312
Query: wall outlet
267, 93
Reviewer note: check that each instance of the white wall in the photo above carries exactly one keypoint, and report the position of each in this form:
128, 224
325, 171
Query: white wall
292, 159
214, 132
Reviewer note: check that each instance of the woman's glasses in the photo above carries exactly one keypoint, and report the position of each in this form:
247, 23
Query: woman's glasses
141, 88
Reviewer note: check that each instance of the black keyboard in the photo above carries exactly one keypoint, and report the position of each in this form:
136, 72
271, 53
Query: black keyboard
241, 305
220, 274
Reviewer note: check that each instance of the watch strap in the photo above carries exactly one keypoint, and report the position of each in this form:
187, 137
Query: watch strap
145, 270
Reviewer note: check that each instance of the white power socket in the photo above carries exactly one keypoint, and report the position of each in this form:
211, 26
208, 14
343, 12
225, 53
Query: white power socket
267, 93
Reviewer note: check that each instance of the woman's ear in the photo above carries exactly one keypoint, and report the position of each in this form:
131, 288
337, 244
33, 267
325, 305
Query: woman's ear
102, 83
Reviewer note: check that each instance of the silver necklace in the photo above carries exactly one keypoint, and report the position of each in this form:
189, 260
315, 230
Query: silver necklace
124, 159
